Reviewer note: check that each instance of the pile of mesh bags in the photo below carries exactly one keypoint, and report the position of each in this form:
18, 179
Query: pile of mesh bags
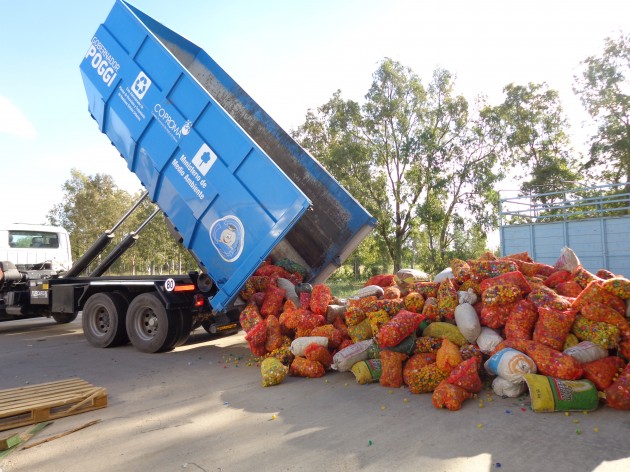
510, 322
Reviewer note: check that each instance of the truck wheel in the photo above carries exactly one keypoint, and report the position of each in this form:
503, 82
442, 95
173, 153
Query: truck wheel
63, 318
104, 320
185, 328
150, 326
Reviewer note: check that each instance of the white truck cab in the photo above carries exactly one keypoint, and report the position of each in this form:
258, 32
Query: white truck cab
28, 246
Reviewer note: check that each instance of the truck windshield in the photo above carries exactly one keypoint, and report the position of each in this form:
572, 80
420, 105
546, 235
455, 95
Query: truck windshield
33, 239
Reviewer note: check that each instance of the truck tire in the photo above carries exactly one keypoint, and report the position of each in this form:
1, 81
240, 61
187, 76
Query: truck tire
104, 320
185, 328
150, 326
63, 318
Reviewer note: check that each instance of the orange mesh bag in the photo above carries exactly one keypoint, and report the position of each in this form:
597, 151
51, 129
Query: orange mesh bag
466, 376
460, 269
256, 338
595, 293
274, 334
329, 331
487, 256
448, 356
306, 321
584, 277
544, 270
382, 280
340, 324
288, 320
428, 289
501, 295
447, 299
317, 352
495, 316
320, 299
414, 302
426, 379
545, 297
361, 331
272, 271
447, 395
415, 363
618, 286
553, 327
509, 278
354, 315
427, 344
391, 293
618, 394
398, 328
483, 269
549, 361
521, 320
557, 277
595, 311
604, 274
274, 297
303, 367
377, 319
528, 269
391, 364
569, 289
249, 317
603, 371
519, 256
604, 334
430, 309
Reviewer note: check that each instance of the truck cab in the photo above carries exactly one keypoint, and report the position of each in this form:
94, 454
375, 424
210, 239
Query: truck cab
31, 247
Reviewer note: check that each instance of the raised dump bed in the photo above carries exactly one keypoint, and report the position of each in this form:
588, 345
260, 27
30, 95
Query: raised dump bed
234, 185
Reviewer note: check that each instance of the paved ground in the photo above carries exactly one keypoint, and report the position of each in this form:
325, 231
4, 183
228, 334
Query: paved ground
198, 409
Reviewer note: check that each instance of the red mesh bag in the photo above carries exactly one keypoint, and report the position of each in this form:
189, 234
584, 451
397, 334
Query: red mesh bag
558, 277
341, 326
595, 293
391, 364
303, 367
495, 316
447, 395
519, 256
545, 297
320, 299
603, 371
553, 327
448, 356
289, 320
549, 361
382, 280
415, 363
447, 300
521, 320
249, 317
274, 334
306, 321
274, 297
466, 376
256, 338
317, 352
509, 278
430, 309
604, 274
414, 301
391, 293
272, 271
569, 289
618, 394
329, 331
398, 328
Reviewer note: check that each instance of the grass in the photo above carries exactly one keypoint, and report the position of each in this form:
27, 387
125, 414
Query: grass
344, 288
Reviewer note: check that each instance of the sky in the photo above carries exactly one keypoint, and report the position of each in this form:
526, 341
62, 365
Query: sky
290, 56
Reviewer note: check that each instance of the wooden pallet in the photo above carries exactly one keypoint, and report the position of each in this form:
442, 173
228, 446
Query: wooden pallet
36, 403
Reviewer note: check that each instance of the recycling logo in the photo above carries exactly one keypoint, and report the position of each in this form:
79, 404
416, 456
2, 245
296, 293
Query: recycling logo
141, 85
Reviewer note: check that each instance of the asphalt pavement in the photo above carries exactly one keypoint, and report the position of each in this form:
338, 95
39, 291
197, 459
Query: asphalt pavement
202, 408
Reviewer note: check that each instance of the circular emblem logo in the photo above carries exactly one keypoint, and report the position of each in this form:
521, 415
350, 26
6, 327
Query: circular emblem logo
228, 237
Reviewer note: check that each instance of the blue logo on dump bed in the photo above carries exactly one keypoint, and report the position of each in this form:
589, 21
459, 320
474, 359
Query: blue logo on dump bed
228, 237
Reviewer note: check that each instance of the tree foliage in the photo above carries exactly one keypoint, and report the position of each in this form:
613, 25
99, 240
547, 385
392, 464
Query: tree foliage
604, 89
414, 156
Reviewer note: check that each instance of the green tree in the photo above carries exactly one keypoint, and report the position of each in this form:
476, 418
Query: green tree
533, 129
415, 157
604, 89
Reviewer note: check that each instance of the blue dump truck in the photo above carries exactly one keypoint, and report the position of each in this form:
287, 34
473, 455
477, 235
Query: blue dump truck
234, 187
